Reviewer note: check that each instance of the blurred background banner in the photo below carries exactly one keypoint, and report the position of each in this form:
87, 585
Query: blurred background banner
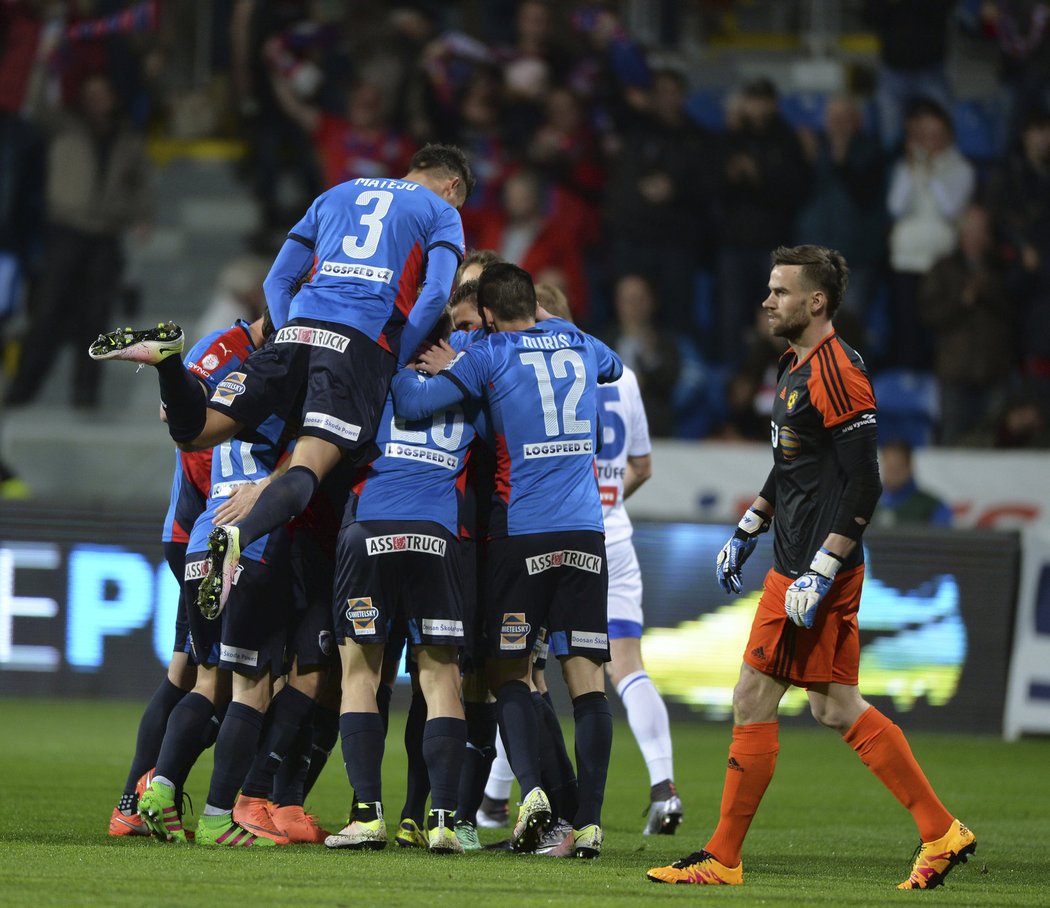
87, 608
1004, 489
1028, 704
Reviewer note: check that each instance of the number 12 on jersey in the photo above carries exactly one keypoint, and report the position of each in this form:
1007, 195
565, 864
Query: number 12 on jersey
560, 363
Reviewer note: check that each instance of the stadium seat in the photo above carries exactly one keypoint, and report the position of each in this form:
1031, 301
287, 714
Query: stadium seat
804, 108
979, 129
908, 406
707, 107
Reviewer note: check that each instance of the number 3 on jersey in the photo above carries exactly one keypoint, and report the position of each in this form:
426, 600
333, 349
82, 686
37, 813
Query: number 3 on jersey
560, 361
373, 220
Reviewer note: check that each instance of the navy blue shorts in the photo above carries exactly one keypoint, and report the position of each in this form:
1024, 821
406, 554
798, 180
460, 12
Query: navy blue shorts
249, 636
311, 638
558, 581
326, 378
175, 555
391, 571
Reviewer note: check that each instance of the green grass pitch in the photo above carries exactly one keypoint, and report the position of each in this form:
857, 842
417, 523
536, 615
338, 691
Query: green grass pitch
827, 832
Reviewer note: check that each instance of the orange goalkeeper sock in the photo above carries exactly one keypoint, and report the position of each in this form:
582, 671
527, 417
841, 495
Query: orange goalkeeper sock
882, 747
752, 758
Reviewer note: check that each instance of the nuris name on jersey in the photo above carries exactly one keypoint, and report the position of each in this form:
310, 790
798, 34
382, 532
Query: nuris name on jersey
546, 341
412, 452
558, 448
585, 561
315, 337
409, 542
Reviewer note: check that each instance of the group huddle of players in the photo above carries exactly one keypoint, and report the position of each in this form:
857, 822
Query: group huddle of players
330, 508
375, 481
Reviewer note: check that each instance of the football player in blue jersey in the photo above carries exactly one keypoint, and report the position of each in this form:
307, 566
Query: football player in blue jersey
367, 244
248, 644
272, 797
210, 360
399, 566
546, 551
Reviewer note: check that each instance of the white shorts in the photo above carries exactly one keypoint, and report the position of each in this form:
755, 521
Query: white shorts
625, 590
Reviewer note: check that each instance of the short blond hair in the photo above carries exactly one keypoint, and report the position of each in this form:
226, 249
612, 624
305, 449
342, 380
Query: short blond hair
554, 301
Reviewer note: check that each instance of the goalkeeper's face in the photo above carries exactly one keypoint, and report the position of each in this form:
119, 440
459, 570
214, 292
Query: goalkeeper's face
788, 305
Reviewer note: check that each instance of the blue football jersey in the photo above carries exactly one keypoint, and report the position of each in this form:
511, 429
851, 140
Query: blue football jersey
540, 387
369, 236
211, 359
420, 473
235, 462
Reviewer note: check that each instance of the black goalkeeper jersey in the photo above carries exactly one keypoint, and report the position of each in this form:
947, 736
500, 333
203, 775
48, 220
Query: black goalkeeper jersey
826, 396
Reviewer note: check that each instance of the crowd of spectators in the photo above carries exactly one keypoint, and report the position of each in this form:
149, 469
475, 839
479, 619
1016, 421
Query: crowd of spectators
595, 175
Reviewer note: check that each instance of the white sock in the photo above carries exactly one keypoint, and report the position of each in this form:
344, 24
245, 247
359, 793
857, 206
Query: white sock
647, 717
210, 811
501, 776
164, 780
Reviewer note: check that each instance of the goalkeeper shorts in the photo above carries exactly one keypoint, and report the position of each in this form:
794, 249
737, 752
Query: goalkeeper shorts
827, 652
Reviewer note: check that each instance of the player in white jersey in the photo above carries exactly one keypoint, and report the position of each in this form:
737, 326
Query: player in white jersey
624, 463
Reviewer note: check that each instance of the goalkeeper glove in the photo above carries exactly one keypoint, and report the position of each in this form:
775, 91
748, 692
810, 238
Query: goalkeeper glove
741, 544
804, 595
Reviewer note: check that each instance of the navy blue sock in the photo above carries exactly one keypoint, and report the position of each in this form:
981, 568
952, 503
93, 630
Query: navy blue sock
184, 738
383, 695
284, 498
152, 726
593, 747
211, 730
444, 740
418, 785
326, 733
289, 710
477, 759
234, 751
185, 404
559, 777
363, 741
520, 731
290, 780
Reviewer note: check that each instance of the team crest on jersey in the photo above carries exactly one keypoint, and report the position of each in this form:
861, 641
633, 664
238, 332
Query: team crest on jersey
362, 615
790, 443
514, 631
230, 387
792, 400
